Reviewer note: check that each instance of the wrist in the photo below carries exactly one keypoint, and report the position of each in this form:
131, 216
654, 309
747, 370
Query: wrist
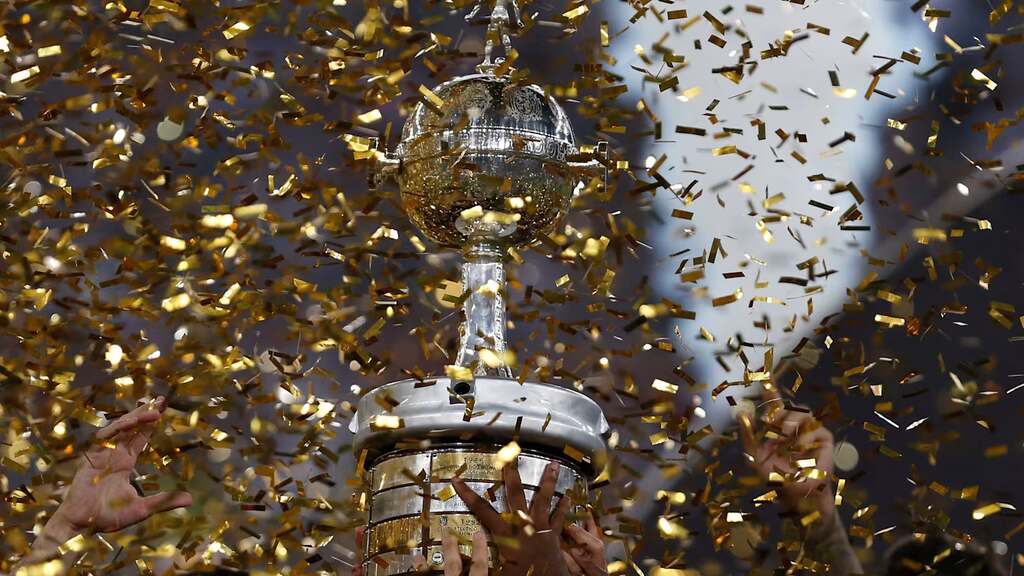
59, 529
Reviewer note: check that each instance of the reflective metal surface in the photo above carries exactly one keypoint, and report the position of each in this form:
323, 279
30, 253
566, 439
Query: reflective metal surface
483, 312
413, 505
503, 147
543, 417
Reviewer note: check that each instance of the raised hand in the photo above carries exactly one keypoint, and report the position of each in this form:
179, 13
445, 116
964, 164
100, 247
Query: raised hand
528, 535
453, 560
787, 443
584, 549
101, 497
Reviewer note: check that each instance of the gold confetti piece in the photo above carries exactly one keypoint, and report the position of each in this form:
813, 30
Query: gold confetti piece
493, 359
236, 29
986, 511
386, 422
47, 51
576, 12
671, 529
432, 98
727, 299
22, 75
461, 373
889, 321
663, 386
217, 220
176, 244
981, 77
369, 117
676, 498
250, 211
507, 454
809, 519
446, 493
176, 302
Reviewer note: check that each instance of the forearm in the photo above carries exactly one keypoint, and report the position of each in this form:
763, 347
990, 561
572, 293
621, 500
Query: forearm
828, 543
47, 545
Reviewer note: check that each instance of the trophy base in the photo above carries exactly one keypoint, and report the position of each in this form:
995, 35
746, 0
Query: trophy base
414, 436
413, 504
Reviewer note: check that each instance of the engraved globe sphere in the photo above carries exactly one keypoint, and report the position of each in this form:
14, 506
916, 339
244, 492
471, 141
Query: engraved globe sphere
491, 160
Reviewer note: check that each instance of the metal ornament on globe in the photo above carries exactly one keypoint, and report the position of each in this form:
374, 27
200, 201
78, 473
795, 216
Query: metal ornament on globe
484, 164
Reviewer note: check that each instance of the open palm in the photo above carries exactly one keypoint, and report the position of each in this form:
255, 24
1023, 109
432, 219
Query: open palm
101, 497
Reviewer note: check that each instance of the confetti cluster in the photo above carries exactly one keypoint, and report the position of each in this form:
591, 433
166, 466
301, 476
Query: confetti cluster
185, 212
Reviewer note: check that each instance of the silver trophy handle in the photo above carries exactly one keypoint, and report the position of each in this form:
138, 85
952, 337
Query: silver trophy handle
596, 166
382, 166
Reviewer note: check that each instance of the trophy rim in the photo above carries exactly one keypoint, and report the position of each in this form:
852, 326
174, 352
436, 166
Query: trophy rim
543, 418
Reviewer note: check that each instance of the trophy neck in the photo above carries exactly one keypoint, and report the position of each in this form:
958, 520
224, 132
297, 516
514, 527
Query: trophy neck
483, 324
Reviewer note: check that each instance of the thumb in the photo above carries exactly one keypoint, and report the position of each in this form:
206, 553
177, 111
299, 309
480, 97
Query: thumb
769, 393
164, 501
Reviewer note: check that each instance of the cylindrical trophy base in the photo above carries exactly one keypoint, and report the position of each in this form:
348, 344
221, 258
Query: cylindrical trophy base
412, 503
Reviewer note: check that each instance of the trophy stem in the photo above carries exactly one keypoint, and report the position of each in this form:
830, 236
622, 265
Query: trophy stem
483, 325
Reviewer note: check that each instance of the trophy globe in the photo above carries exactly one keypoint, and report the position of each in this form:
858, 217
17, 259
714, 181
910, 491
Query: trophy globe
484, 164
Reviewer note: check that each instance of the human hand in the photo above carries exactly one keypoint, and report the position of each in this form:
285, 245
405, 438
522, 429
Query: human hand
101, 497
528, 536
478, 565
790, 436
584, 549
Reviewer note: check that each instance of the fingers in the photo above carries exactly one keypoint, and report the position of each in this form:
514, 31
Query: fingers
794, 422
480, 508
557, 521
540, 507
145, 507
514, 494
419, 564
452, 559
587, 550
479, 559
165, 501
590, 565
592, 527
360, 547
593, 545
571, 564
127, 422
820, 443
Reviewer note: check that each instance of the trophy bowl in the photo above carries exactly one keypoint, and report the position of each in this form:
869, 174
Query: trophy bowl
486, 148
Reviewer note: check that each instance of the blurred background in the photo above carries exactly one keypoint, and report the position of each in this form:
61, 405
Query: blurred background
833, 182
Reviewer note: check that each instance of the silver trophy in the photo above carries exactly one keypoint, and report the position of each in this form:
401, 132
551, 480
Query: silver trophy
484, 164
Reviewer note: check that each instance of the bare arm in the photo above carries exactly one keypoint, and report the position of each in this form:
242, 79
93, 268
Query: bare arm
789, 435
101, 497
